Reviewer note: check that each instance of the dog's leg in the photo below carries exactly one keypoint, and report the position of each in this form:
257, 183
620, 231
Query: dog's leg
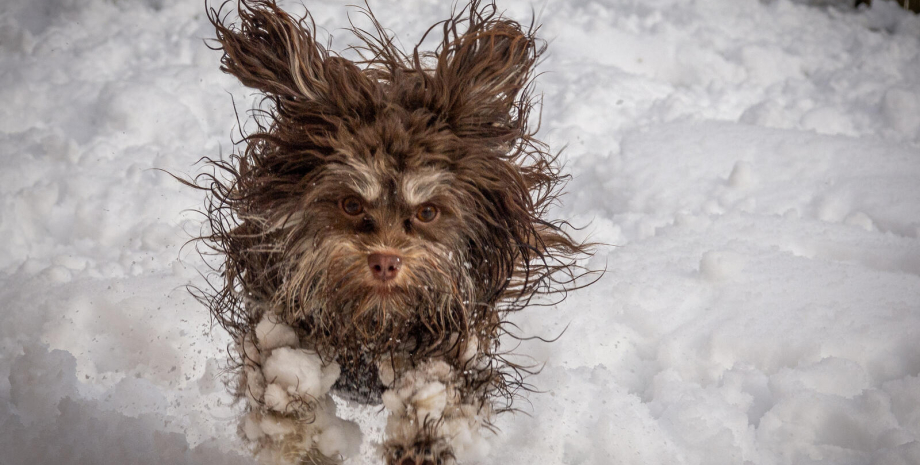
291, 418
434, 419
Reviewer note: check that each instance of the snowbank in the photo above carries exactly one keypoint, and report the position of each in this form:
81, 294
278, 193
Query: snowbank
750, 167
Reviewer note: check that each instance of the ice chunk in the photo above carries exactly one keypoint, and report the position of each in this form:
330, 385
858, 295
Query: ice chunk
272, 334
300, 371
340, 437
276, 398
429, 401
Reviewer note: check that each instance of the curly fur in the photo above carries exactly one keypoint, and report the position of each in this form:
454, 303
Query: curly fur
395, 129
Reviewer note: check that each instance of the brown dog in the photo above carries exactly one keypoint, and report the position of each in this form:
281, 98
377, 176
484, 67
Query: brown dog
377, 228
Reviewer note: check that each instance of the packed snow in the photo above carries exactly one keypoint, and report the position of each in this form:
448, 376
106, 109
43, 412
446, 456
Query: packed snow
749, 169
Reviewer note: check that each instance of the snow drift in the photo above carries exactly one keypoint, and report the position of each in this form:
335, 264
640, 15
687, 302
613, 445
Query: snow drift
751, 168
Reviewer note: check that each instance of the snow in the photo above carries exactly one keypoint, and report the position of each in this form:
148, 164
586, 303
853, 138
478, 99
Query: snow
749, 168
299, 371
272, 334
421, 399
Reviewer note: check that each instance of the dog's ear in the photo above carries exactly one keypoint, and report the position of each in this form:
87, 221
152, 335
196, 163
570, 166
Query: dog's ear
484, 73
278, 55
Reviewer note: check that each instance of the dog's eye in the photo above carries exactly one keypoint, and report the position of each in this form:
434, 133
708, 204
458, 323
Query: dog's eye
426, 213
352, 206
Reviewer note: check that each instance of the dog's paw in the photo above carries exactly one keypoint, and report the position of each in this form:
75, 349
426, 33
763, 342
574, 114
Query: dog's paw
420, 453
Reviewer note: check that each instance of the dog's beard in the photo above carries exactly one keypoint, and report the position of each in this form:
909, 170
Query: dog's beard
331, 294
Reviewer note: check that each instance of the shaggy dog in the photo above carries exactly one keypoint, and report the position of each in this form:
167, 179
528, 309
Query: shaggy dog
377, 228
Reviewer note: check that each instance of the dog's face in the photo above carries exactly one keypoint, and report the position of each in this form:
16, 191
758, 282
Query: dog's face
386, 206
387, 230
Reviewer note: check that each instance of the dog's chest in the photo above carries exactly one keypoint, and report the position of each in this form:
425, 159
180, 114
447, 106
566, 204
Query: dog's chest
359, 381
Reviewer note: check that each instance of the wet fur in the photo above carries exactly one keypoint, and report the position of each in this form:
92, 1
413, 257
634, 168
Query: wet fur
448, 127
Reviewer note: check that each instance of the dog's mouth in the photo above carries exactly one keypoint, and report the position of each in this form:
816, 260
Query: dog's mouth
385, 290
388, 281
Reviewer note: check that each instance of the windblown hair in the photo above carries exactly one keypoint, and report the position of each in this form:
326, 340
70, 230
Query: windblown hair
457, 117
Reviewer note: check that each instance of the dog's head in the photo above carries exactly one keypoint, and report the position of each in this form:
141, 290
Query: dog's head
392, 202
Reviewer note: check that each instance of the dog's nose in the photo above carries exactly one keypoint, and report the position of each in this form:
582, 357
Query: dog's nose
383, 266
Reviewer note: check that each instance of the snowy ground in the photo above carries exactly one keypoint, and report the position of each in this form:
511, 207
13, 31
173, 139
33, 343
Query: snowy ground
753, 167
